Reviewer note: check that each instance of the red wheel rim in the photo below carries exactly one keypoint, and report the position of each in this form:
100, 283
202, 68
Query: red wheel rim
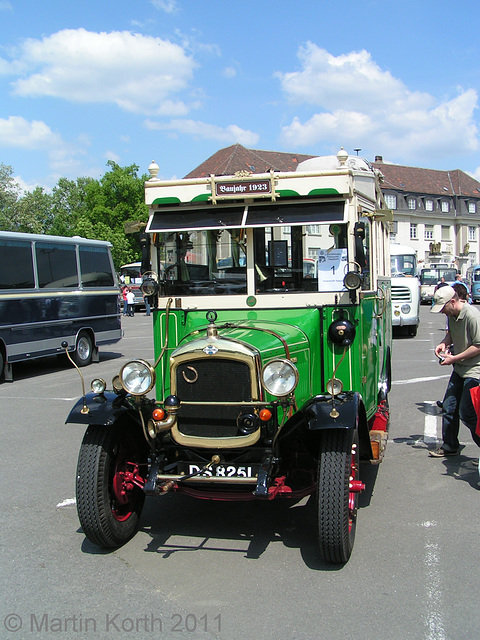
125, 481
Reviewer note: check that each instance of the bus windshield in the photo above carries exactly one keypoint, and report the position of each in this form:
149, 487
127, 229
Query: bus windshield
287, 258
403, 265
433, 276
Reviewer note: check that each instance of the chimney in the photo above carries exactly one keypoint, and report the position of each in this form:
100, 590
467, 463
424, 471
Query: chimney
378, 158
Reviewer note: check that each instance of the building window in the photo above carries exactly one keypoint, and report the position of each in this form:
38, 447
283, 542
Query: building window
472, 234
445, 206
445, 233
428, 204
412, 203
472, 208
391, 201
429, 232
314, 230
413, 232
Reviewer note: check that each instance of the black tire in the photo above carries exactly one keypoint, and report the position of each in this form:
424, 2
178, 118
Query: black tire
2, 364
108, 518
83, 350
337, 504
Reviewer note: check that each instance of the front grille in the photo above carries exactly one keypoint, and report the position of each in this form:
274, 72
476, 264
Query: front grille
402, 294
213, 380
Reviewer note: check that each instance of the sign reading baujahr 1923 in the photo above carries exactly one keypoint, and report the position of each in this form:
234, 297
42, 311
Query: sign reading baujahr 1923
243, 188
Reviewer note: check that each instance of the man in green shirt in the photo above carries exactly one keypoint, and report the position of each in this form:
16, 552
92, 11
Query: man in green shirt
463, 332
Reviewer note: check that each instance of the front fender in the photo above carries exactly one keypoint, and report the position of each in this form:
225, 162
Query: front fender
317, 412
352, 415
105, 408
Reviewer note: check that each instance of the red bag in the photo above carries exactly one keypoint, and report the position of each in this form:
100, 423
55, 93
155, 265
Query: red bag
475, 395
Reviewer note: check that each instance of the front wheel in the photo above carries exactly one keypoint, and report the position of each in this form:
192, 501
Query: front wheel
111, 468
337, 494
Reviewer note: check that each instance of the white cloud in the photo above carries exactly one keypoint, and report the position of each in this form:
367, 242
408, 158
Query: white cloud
229, 72
111, 155
231, 134
16, 132
140, 74
358, 104
169, 6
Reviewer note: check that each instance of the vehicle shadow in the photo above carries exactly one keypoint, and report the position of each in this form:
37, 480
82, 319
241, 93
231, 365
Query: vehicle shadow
53, 364
181, 524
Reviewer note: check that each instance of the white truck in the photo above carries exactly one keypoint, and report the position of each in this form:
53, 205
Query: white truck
405, 288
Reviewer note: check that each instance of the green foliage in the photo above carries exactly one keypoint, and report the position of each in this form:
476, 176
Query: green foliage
85, 207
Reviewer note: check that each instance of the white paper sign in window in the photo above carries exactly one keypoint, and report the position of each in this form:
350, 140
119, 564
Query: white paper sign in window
332, 268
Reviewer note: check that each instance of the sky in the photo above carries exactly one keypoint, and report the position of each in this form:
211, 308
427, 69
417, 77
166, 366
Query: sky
174, 81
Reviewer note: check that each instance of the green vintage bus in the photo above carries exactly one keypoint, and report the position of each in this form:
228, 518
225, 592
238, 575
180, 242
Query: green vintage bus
271, 380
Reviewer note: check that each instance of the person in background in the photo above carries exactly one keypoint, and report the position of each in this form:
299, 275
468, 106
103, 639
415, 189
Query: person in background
124, 298
442, 283
461, 291
131, 303
146, 300
464, 331
459, 280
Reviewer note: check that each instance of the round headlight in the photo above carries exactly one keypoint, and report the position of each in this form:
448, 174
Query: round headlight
334, 386
137, 377
280, 377
98, 385
406, 308
117, 384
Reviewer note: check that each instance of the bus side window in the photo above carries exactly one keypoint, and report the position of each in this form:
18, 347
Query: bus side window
57, 265
95, 267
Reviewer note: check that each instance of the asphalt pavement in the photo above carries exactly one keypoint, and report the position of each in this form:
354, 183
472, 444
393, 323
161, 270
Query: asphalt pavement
200, 569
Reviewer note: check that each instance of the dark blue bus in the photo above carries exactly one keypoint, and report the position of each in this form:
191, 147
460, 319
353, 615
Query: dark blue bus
54, 290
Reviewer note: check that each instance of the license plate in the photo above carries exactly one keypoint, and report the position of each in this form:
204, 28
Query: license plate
225, 470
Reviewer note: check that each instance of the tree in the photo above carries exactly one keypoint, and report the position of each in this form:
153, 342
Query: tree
33, 212
69, 203
86, 207
9, 194
117, 198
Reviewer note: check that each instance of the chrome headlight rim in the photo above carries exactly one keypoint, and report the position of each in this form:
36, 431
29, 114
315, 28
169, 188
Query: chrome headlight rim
334, 386
144, 370
98, 386
292, 369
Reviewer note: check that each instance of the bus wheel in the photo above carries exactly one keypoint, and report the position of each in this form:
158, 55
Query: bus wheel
2, 364
109, 481
337, 494
84, 350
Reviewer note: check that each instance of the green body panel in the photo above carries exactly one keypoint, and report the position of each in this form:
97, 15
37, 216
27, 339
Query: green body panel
305, 331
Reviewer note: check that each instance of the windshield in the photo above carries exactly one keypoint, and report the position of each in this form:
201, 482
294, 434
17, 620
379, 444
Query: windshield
434, 276
404, 265
286, 259
130, 273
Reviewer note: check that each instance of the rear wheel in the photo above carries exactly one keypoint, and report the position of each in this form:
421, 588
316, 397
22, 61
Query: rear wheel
110, 471
337, 494
83, 350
